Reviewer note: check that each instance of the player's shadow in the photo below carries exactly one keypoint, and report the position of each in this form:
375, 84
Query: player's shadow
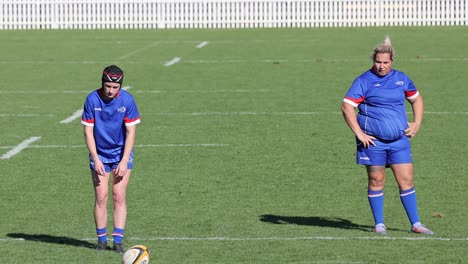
314, 221
61, 240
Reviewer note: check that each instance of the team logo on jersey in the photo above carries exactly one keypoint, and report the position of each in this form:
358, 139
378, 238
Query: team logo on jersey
121, 109
97, 109
399, 83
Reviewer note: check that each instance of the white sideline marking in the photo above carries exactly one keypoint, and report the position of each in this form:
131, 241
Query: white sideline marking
140, 49
243, 113
201, 45
41, 92
418, 238
172, 62
280, 113
23, 115
446, 113
139, 146
78, 113
19, 148
317, 60
294, 238
206, 91
146, 92
75, 115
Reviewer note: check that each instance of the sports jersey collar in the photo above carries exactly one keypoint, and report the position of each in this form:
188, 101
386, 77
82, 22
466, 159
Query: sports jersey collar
381, 77
101, 93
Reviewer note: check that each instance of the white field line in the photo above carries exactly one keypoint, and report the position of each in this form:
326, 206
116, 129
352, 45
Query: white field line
224, 61
79, 112
19, 148
207, 145
279, 113
370, 238
146, 91
173, 61
139, 50
76, 115
22, 115
43, 92
241, 113
201, 45
205, 91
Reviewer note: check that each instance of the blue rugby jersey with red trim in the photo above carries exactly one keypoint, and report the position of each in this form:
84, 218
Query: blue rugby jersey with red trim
109, 119
381, 103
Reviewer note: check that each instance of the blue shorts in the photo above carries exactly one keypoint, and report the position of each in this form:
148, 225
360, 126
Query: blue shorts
113, 165
385, 152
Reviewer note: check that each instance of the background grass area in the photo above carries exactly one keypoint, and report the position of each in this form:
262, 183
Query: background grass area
277, 182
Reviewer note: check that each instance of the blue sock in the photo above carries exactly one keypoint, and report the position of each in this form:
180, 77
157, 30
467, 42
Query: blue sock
376, 201
408, 199
118, 235
101, 234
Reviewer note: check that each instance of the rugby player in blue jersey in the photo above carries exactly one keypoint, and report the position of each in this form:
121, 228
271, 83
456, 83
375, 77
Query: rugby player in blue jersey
383, 131
109, 118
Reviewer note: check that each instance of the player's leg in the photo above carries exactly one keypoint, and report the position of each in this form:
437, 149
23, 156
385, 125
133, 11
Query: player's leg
404, 176
101, 190
375, 194
374, 158
402, 167
119, 190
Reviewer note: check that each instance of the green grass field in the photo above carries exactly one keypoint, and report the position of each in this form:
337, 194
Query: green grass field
242, 155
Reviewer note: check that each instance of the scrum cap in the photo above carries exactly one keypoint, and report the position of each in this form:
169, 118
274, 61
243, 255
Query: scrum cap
112, 74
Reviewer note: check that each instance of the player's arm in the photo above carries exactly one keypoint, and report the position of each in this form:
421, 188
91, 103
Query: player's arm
417, 104
121, 169
91, 144
349, 115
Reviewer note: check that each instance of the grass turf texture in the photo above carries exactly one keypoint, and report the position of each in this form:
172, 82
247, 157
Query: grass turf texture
279, 185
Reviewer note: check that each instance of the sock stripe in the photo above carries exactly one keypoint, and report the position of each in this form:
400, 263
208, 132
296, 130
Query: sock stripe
407, 192
372, 194
101, 234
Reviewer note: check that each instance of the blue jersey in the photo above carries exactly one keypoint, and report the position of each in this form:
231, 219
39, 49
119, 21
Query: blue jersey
381, 103
109, 119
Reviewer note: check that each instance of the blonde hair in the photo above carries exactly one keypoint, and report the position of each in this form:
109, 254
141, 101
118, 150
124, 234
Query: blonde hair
384, 47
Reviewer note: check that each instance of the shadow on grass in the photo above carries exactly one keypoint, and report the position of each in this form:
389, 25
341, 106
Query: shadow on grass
52, 239
314, 221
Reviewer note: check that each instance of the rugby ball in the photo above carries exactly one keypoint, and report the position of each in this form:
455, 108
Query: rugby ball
138, 254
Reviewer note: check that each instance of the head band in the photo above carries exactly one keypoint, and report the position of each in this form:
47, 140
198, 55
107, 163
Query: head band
112, 77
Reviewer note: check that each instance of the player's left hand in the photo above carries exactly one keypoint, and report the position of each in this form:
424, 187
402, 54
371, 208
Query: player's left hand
121, 169
412, 129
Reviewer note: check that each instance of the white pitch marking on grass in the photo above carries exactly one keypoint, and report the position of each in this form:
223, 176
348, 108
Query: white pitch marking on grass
279, 113
23, 115
173, 61
242, 113
42, 92
154, 44
11, 239
20, 147
295, 238
325, 238
446, 113
207, 145
79, 112
201, 45
75, 115
205, 91
146, 91
324, 60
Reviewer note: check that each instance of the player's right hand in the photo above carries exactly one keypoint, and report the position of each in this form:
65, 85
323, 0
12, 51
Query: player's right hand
366, 140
